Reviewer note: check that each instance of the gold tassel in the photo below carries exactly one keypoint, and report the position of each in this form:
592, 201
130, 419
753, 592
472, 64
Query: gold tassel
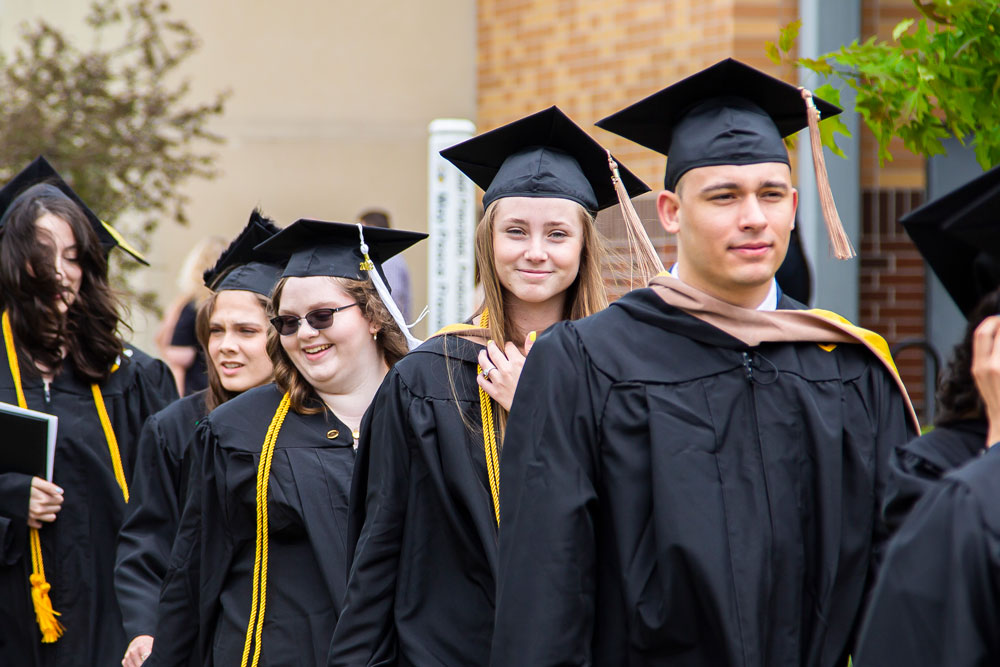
839, 241
45, 615
641, 250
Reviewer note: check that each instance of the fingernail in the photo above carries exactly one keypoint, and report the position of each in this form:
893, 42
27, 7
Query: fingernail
532, 336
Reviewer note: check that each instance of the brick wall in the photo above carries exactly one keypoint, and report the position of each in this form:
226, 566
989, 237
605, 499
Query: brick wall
892, 282
593, 57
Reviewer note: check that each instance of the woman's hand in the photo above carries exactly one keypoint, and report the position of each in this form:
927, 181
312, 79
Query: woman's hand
502, 370
138, 650
986, 372
44, 503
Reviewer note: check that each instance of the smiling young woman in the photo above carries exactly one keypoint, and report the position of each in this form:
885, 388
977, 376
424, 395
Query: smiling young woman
423, 505
63, 355
262, 534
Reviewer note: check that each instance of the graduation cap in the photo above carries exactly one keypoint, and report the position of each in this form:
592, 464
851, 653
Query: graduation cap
342, 250
40, 171
542, 155
958, 235
730, 113
548, 155
239, 267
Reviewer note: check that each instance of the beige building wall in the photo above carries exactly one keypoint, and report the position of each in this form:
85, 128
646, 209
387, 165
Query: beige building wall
328, 113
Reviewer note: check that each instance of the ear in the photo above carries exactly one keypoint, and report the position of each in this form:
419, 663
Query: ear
668, 206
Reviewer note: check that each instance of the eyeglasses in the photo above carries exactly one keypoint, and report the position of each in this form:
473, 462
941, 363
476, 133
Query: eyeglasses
321, 318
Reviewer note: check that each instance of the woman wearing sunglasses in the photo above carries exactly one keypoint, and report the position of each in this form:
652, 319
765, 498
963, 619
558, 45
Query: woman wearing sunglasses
268, 560
231, 326
424, 506
63, 355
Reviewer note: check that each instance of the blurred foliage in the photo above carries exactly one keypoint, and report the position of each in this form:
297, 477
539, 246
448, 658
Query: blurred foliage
113, 118
937, 77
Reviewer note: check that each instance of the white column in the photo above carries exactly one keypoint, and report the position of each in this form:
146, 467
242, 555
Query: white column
451, 223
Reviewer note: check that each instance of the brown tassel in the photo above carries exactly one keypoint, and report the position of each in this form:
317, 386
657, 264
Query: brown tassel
641, 249
839, 241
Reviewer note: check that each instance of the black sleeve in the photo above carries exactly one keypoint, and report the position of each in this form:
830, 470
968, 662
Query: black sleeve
184, 330
895, 428
936, 601
147, 534
910, 477
365, 631
182, 618
548, 505
152, 389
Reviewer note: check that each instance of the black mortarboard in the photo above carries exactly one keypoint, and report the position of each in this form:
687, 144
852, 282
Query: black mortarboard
730, 113
959, 236
542, 155
40, 171
239, 267
317, 248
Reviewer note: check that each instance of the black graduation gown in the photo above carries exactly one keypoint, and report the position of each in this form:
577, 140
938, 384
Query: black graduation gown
669, 496
920, 463
307, 557
422, 581
937, 600
78, 548
157, 492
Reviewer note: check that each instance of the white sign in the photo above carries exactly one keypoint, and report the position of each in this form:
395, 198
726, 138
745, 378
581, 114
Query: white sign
451, 225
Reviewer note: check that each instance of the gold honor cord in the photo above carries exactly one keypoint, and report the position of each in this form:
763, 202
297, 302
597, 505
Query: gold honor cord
258, 598
45, 615
490, 435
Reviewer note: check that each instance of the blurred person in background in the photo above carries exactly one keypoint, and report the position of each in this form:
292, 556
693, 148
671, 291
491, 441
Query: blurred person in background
175, 337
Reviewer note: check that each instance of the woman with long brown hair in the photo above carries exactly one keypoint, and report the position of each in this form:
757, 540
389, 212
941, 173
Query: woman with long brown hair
64, 355
424, 505
232, 329
268, 560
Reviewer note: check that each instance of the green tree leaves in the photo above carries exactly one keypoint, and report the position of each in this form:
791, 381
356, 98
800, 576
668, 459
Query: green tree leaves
937, 77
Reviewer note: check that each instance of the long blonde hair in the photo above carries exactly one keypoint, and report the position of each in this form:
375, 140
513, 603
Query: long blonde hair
586, 296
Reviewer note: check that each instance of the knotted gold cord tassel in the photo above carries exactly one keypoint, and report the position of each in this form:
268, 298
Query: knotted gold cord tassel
44, 613
643, 254
839, 241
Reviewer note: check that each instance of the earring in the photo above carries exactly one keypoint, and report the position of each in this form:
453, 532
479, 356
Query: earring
375, 336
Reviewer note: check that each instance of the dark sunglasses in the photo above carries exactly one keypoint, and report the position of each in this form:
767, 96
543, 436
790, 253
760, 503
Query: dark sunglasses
321, 318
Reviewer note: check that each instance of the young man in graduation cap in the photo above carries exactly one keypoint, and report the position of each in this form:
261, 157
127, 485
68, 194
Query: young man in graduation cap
692, 477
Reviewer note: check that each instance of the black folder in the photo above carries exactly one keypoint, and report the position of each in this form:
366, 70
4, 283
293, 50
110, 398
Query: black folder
28, 441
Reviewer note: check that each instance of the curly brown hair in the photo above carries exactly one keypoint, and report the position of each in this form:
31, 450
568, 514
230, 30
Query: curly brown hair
87, 335
957, 397
391, 342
